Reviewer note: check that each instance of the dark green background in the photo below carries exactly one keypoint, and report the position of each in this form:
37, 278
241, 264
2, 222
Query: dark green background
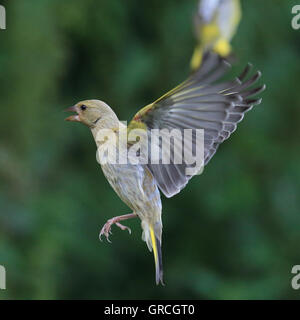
233, 232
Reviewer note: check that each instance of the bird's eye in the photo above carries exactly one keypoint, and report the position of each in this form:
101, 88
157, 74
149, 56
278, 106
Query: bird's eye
83, 107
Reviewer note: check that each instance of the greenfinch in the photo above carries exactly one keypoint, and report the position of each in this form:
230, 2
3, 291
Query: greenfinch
216, 22
200, 102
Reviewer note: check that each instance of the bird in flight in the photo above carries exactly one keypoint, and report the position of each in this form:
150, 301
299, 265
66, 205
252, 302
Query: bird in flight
201, 102
215, 24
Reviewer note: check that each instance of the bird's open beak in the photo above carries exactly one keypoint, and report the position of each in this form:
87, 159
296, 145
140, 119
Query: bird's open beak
73, 117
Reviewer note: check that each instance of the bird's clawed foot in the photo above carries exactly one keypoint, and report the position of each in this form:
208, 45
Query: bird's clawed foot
106, 230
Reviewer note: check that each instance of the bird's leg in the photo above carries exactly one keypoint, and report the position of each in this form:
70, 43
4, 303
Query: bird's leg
106, 228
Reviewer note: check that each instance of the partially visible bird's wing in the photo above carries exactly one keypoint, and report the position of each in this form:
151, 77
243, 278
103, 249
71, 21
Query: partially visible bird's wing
229, 17
199, 103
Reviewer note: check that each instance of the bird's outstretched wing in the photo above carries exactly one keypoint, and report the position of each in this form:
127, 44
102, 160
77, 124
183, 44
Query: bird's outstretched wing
199, 103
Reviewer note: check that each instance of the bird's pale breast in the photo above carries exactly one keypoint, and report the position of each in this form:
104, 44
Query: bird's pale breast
136, 186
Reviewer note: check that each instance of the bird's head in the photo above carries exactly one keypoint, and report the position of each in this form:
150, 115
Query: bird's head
92, 113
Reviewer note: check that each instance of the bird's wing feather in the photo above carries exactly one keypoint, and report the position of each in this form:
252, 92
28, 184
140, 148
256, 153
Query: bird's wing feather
199, 103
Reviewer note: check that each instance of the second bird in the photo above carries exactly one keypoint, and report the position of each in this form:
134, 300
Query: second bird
216, 22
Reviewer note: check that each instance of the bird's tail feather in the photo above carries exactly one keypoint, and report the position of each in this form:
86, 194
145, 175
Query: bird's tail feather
152, 236
156, 245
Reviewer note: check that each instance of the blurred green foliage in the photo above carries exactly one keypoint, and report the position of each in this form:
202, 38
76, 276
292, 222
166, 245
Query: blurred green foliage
232, 233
